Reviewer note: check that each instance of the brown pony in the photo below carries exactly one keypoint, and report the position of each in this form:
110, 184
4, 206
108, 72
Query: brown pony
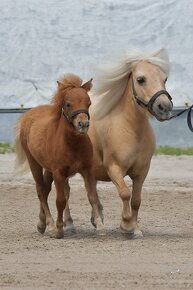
53, 140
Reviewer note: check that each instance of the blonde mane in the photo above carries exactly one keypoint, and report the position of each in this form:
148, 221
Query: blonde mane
111, 80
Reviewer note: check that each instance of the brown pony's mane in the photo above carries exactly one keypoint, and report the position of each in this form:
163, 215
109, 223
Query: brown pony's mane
67, 82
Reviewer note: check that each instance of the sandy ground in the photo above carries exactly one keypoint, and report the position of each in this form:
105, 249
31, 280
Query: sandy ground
163, 259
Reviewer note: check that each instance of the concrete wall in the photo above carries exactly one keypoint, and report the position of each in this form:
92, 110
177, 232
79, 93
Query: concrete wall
40, 40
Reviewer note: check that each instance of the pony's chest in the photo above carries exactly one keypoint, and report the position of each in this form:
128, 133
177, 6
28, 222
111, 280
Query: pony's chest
74, 167
73, 164
72, 160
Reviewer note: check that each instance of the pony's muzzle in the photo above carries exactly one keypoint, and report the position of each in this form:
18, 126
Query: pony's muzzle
82, 126
163, 108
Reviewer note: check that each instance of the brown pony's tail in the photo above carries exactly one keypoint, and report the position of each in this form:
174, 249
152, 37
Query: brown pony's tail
21, 162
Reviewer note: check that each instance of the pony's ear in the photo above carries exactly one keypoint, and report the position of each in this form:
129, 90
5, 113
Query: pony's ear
60, 85
87, 86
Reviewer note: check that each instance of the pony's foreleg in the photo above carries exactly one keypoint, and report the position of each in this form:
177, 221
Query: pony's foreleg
116, 175
59, 181
138, 181
48, 178
68, 221
97, 209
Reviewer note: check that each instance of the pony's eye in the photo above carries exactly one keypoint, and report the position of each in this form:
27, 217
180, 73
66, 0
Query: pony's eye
67, 105
141, 80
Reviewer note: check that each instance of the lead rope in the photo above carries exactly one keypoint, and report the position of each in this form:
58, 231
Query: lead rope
189, 116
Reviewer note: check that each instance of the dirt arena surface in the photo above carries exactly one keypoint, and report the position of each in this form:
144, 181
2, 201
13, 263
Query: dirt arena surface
163, 259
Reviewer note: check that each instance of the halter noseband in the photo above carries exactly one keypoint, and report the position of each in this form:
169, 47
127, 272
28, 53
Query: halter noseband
149, 105
70, 117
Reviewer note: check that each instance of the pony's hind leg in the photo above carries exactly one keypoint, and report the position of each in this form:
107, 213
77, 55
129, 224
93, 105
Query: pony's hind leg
68, 221
37, 172
97, 209
48, 179
59, 181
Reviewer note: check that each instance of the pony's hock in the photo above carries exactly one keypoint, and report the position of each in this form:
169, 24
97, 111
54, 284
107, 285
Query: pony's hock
53, 138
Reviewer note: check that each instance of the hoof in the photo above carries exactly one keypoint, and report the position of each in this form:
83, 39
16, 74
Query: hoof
59, 233
134, 234
101, 231
98, 222
70, 229
128, 229
100, 228
53, 232
41, 227
93, 221
137, 234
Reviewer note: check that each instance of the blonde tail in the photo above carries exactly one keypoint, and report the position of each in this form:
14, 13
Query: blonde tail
21, 162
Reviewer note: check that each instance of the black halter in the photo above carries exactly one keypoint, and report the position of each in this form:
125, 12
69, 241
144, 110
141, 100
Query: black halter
149, 106
70, 117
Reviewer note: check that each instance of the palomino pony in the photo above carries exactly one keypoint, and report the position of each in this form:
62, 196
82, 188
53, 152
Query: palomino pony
52, 138
120, 130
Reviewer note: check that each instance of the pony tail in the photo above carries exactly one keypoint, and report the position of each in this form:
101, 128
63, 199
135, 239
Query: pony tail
21, 162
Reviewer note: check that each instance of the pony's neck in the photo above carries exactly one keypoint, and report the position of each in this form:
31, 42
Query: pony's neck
57, 103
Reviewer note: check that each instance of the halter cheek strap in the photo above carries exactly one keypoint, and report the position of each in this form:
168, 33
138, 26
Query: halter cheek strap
70, 117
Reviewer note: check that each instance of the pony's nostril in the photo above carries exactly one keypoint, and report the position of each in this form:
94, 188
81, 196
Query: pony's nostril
165, 108
80, 124
83, 124
160, 107
87, 124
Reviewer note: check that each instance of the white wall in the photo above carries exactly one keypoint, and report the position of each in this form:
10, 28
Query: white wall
42, 39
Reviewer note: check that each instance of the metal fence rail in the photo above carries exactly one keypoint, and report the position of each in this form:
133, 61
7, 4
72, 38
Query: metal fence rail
20, 110
173, 133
